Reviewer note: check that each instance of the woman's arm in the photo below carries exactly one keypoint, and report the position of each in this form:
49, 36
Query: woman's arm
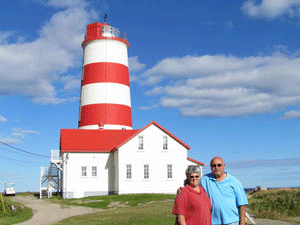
181, 219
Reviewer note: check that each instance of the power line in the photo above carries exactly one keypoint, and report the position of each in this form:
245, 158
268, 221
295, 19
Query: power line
24, 150
17, 160
18, 153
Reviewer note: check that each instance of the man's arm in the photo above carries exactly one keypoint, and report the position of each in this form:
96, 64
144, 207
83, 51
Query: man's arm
242, 211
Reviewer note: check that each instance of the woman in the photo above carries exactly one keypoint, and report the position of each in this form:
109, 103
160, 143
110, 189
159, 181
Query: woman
192, 205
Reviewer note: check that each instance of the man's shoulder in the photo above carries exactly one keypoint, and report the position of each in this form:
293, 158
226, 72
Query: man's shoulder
232, 178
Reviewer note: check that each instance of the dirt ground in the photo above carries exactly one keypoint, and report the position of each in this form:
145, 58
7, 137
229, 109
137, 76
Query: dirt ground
46, 213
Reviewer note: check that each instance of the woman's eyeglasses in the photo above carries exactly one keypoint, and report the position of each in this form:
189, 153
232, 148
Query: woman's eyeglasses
216, 165
194, 176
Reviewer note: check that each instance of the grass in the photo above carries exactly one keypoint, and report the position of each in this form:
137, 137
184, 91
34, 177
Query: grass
21, 213
156, 213
103, 202
277, 204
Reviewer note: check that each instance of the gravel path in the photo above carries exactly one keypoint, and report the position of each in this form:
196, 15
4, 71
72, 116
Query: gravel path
46, 213
272, 222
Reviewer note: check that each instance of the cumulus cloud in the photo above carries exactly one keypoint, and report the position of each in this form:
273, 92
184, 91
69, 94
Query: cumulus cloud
265, 163
225, 86
3, 119
271, 9
35, 68
293, 114
17, 135
229, 25
146, 108
135, 65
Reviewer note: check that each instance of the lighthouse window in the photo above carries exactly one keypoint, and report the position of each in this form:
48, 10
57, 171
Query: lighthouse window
165, 143
83, 171
141, 142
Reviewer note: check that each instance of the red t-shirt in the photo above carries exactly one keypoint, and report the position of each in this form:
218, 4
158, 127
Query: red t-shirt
194, 206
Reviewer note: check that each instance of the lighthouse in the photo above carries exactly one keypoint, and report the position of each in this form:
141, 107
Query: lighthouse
105, 155
105, 101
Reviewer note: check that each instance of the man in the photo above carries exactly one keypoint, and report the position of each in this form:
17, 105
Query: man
227, 196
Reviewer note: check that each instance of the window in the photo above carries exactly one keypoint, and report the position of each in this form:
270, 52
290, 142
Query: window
94, 171
170, 172
141, 142
128, 171
146, 171
83, 171
165, 143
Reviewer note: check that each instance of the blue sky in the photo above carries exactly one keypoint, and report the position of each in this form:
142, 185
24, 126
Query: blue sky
223, 76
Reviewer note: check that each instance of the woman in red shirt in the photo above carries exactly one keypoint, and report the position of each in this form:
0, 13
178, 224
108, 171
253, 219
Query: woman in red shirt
192, 205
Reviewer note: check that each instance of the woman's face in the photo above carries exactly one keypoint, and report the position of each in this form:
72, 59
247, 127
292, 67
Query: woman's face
194, 179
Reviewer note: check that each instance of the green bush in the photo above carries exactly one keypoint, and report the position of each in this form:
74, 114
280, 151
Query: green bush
283, 204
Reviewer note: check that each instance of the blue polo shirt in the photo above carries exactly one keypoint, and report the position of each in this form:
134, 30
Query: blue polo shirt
225, 196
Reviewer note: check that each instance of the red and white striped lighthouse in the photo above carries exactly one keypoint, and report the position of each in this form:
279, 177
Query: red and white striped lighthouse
105, 91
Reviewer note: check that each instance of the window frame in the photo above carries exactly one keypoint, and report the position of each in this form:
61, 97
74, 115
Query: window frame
83, 171
146, 172
128, 171
141, 143
169, 171
165, 143
94, 171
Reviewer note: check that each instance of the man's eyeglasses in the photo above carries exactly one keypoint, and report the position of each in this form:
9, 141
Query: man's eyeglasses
194, 176
216, 165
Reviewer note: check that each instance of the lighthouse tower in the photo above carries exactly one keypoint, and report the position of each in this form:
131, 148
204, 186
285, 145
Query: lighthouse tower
105, 91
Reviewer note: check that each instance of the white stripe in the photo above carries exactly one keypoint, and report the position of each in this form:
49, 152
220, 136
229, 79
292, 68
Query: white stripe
105, 50
105, 93
106, 127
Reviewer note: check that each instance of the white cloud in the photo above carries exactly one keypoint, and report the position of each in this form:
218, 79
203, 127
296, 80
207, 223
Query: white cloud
34, 68
265, 163
146, 108
229, 25
271, 8
225, 86
135, 65
293, 114
3, 119
18, 135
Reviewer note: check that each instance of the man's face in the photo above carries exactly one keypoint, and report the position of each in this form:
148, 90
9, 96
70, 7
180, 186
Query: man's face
217, 167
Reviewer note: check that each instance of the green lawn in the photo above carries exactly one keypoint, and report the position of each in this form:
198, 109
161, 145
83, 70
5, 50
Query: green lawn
104, 201
21, 213
155, 213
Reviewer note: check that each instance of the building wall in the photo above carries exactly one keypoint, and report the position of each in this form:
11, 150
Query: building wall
157, 159
77, 186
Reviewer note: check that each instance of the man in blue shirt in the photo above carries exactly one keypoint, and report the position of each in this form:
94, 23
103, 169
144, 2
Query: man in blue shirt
227, 196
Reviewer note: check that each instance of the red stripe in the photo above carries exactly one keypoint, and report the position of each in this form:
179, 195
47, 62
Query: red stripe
105, 72
112, 114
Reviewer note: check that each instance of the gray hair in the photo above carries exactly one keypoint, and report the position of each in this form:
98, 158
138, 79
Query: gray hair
192, 169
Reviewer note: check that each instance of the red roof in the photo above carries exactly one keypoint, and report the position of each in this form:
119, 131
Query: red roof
195, 161
82, 140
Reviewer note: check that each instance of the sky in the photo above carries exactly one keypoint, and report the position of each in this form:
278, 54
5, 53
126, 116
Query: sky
221, 75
